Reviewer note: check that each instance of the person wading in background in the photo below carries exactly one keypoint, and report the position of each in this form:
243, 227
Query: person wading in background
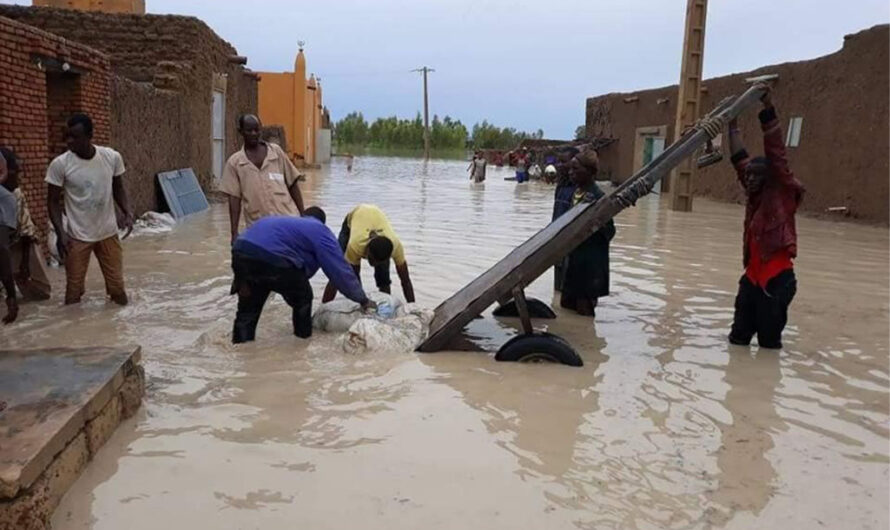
768, 285
91, 179
477, 167
8, 216
367, 234
259, 179
586, 269
279, 254
522, 166
31, 277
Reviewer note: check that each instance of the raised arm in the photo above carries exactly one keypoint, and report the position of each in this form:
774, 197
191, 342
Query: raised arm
774, 143
739, 155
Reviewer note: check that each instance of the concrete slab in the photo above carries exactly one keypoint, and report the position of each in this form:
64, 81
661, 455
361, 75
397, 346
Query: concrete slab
50, 397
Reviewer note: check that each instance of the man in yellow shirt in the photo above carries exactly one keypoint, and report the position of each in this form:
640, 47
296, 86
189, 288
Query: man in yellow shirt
367, 234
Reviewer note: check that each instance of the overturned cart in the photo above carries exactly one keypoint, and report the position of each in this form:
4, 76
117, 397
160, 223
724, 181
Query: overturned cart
507, 279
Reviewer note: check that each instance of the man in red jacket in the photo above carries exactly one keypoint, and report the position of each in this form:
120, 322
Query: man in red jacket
770, 238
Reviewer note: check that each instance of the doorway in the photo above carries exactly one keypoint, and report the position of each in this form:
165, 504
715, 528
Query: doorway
219, 134
62, 100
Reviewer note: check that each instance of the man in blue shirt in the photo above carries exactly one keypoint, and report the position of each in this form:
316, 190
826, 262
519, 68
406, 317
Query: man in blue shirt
280, 254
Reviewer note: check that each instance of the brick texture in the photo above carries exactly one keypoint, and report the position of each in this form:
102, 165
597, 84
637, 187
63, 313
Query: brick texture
844, 146
174, 54
151, 130
34, 102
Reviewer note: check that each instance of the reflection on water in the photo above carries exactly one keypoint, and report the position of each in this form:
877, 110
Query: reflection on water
666, 426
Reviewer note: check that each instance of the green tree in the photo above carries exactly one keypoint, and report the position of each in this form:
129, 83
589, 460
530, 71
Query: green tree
445, 133
581, 132
353, 129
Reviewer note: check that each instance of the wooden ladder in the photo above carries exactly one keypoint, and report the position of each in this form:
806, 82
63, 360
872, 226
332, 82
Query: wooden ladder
688, 100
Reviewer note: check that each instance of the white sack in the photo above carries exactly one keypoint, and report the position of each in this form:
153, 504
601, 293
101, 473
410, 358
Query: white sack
339, 315
401, 334
153, 223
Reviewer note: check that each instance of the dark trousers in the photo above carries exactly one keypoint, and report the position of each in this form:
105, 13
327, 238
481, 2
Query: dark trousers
763, 311
254, 280
381, 271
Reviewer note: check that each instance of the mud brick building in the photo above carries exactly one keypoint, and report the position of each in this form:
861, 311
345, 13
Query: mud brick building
836, 106
45, 79
111, 6
173, 88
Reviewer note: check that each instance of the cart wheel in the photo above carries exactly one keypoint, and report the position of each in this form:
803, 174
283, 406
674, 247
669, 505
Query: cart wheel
536, 309
539, 348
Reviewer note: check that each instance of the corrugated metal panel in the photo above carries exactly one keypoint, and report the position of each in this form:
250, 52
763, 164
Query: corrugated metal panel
182, 192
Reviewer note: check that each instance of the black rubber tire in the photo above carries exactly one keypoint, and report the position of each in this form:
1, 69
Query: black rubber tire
536, 309
539, 347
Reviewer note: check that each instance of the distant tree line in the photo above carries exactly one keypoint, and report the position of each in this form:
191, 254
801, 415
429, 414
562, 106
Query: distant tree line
488, 136
445, 133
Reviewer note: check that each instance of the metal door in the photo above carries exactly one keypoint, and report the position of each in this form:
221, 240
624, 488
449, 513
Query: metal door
219, 133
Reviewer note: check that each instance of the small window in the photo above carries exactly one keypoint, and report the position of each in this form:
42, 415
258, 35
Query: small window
793, 138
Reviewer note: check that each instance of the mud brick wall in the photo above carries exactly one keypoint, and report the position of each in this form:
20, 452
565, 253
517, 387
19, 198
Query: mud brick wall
28, 93
844, 146
143, 120
174, 53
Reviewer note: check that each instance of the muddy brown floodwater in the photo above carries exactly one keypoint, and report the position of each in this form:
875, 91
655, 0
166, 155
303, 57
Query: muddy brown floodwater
666, 425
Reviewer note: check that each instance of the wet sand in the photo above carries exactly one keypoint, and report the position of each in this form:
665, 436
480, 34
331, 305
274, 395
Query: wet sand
666, 425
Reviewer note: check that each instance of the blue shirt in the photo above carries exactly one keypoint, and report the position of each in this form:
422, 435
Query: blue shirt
305, 243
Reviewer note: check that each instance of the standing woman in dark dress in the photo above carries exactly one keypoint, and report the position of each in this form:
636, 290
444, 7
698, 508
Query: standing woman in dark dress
562, 201
586, 269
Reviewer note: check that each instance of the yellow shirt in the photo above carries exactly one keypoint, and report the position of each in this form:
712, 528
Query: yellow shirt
363, 220
263, 191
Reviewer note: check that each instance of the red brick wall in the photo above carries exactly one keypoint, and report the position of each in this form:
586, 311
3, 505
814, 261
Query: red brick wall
151, 49
24, 118
844, 146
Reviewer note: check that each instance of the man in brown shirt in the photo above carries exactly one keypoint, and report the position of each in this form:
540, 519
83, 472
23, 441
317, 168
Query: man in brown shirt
259, 179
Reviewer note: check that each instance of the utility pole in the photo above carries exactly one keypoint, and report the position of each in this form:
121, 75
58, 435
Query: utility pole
426, 112
688, 100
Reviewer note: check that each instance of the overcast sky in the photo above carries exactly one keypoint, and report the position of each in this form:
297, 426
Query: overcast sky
526, 64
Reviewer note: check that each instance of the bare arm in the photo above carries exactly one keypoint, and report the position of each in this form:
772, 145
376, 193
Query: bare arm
736, 145
123, 202
739, 156
25, 266
6, 278
234, 215
54, 205
774, 143
297, 196
405, 278
330, 291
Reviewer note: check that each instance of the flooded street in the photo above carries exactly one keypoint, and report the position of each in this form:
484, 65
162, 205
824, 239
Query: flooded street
666, 425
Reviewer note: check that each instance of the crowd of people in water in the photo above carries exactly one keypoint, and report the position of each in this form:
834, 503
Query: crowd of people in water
284, 243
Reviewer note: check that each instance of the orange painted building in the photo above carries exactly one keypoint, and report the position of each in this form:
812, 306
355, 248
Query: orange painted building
108, 6
291, 101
